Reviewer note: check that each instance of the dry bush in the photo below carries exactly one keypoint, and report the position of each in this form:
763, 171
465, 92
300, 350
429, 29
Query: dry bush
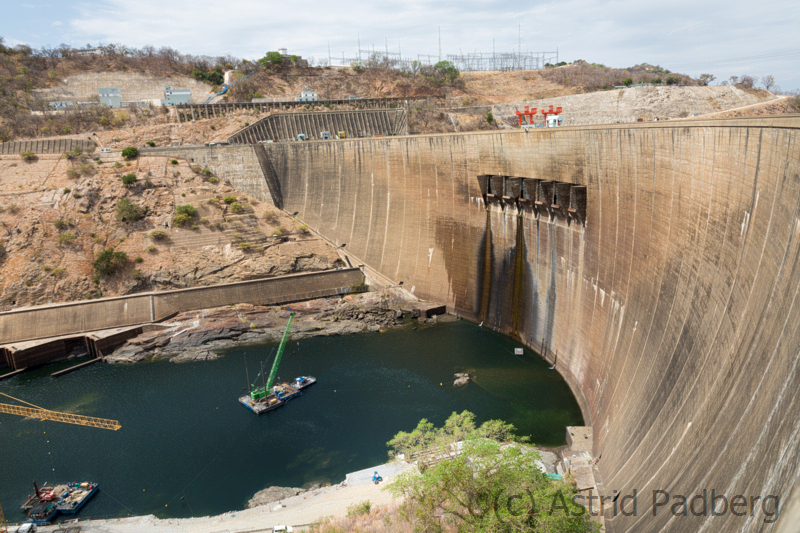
385, 519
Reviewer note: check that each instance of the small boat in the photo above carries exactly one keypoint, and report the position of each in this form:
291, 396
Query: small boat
65, 498
302, 382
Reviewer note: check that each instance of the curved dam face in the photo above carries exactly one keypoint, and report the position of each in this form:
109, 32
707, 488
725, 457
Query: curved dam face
671, 303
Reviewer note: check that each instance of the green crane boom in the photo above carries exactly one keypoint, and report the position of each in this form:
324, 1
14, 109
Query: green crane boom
274, 371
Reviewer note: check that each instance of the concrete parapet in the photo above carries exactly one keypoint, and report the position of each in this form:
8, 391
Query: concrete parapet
79, 317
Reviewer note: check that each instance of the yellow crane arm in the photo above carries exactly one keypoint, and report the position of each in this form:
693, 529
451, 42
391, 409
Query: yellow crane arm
3, 525
55, 416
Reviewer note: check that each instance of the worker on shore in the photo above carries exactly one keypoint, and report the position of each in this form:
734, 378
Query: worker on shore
376, 478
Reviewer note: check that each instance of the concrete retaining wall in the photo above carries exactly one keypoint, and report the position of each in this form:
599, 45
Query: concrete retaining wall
65, 319
627, 105
673, 311
133, 86
50, 146
237, 165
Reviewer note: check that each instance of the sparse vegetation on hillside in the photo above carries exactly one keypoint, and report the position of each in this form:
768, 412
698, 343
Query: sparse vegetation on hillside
108, 261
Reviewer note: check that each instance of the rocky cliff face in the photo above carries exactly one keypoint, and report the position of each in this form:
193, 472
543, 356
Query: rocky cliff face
57, 216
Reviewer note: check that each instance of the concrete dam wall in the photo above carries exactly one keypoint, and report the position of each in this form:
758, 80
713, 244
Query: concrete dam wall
670, 303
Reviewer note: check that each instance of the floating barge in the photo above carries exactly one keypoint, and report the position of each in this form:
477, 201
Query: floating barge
270, 396
66, 498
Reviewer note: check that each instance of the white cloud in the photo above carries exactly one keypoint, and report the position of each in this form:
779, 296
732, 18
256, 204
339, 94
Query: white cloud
618, 33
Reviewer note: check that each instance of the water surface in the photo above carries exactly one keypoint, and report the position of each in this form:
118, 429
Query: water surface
188, 448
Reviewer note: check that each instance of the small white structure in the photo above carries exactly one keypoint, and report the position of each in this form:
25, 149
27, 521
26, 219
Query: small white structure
307, 96
87, 52
553, 121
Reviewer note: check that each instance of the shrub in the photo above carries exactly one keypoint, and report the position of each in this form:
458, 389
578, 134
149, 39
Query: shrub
277, 233
138, 259
206, 172
108, 261
67, 190
302, 228
489, 117
128, 211
73, 173
671, 80
187, 209
213, 201
656, 81
131, 152
246, 124
174, 162
150, 144
12, 208
76, 195
148, 184
205, 222
136, 274
270, 216
627, 82
358, 509
151, 249
158, 235
229, 199
237, 208
213, 128
117, 165
212, 179
66, 237
58, 271
185, 216
244, 246
27, 155
47, 268
60, 223
128, 180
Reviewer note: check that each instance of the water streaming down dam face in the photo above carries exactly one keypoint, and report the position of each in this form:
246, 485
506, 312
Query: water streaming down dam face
672, 305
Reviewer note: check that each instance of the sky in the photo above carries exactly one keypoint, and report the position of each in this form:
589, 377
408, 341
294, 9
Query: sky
724, 38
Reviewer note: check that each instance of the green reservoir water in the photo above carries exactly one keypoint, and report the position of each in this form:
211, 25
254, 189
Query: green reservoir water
188, 448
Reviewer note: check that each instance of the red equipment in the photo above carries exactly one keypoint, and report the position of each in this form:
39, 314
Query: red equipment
530, 113
549, 111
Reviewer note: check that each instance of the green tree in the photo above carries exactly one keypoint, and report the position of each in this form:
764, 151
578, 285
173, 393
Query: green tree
131, 152
272, 59
128, 211
627, 82
484, 478
671, 80
128, 180
184, 215
108, 261
446, 70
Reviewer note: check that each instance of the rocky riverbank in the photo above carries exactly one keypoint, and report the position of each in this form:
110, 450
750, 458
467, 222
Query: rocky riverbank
200, 335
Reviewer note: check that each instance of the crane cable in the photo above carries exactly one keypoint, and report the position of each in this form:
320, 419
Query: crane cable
23, 401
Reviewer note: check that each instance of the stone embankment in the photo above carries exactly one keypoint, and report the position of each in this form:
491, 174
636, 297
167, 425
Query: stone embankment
631, 104
199, 336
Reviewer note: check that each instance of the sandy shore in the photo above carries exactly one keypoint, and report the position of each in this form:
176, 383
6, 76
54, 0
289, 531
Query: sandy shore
303, 509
